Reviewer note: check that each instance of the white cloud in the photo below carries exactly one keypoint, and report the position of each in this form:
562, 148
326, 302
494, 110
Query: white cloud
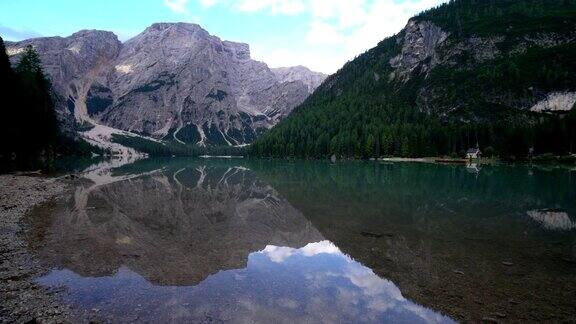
318, 58
348, 13
285, 7
322, 247
321, 33
355, 26
278, 253
178, 6
181, 7
208, 3
337, 30
16, 34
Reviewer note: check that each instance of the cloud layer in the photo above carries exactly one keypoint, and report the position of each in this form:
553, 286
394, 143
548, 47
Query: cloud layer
337, 30
12, 34
178, 6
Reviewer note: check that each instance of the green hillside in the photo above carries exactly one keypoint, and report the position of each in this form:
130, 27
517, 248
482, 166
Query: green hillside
491, 62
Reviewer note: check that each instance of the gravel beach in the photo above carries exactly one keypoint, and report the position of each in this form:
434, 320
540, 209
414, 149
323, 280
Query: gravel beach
22, 300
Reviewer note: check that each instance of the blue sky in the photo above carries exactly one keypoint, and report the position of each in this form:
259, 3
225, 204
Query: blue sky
320, 34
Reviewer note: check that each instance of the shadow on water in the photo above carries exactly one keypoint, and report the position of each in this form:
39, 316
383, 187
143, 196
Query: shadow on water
240, 240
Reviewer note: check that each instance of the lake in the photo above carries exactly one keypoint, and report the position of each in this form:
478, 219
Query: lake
234, 240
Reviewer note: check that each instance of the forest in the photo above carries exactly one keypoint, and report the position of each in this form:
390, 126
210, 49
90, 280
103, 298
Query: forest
363, 111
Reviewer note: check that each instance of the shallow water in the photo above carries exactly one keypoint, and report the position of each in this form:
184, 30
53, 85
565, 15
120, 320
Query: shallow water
185, 240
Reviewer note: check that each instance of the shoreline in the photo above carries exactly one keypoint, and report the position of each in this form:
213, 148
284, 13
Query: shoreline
438, 160
23, 299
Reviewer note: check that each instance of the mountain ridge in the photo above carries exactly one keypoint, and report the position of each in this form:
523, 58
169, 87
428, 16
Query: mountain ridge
173, 81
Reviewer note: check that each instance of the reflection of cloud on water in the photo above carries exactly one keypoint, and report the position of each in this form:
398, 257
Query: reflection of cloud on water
314, 284
361, 287
280, 253
552, 219
327, 247
180, 241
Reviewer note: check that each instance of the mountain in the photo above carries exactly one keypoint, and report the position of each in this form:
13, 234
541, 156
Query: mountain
300, 73
174, 81
497, 73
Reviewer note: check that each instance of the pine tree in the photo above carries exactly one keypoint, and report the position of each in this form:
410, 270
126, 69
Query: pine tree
35, 116
8, 98
5, 69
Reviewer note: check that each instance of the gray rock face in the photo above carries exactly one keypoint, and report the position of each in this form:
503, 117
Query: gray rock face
419, 45
300, 73
424, 46
71, 63
173, 81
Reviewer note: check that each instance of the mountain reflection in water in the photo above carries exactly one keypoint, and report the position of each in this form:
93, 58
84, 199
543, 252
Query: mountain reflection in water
201, 242
316, 283
211, 240
174, 227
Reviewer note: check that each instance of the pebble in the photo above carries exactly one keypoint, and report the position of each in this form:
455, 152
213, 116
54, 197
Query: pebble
28, 302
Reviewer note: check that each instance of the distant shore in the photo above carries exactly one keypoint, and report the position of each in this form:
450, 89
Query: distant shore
437, 160
539, 159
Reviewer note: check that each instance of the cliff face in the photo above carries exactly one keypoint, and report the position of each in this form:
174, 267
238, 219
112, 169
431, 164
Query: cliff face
173, 81
71, 64
300, 73
418, 48
428, 52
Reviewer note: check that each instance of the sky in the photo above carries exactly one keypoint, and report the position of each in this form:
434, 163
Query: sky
319, 34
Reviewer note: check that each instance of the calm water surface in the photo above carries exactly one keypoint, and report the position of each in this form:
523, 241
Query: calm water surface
243, 241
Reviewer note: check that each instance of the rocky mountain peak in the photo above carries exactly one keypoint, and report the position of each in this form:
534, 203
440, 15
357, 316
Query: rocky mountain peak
94, 45
173, 81
176, 29
94, 33
240, 51
311, 79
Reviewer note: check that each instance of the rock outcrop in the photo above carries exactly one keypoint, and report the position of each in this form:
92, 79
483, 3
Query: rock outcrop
174, 81
556, 102
300, 73
72, 63
418, 48
423, 46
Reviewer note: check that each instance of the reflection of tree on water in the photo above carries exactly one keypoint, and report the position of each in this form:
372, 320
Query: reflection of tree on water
465, 244
207, 242
459, 242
